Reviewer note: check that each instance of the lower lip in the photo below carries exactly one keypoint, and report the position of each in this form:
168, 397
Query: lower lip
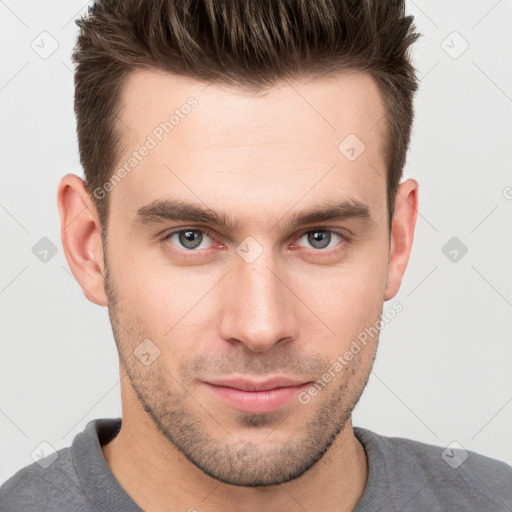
256, 401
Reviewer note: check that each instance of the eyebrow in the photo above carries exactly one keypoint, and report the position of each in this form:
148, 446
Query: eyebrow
161, 210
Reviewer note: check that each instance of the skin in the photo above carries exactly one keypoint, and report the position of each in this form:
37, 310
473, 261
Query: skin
260, 158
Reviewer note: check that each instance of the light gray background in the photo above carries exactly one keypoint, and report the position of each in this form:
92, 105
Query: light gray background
442, 372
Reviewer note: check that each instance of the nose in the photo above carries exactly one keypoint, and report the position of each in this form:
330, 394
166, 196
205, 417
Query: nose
257, 306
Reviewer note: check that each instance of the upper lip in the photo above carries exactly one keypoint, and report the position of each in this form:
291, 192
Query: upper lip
257, 385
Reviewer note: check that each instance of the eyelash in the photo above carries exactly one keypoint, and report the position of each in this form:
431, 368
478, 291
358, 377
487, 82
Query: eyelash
344, 238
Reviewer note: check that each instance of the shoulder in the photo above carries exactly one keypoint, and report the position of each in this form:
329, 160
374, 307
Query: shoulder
49, 484
445, 478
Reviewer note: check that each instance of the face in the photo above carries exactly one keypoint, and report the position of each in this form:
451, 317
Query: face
288, 270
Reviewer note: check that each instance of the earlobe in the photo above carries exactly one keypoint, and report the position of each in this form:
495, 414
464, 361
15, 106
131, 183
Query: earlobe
402, 234
81, 237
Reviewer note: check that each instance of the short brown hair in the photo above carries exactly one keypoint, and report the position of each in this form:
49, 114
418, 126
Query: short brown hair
249, 44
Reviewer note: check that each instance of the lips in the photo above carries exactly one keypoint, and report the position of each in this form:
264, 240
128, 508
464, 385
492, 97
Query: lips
253, 395
255, 385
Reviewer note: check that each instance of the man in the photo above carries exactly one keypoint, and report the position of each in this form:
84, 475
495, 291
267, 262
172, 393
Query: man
244, 220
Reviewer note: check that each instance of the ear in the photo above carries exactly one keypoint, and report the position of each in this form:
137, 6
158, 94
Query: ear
81, 237
402, 234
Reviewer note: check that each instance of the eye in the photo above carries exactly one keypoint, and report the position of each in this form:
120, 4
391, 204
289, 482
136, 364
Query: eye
322, 238
189, 239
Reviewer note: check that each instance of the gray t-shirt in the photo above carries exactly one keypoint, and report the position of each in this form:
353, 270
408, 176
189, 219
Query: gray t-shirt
403, 476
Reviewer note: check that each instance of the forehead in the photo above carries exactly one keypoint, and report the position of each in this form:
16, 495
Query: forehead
207, 141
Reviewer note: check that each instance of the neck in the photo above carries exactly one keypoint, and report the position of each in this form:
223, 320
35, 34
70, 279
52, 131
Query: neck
156, 476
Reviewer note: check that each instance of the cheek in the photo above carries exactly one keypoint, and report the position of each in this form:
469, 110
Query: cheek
351, 287
145, 294
164, 303
347, 298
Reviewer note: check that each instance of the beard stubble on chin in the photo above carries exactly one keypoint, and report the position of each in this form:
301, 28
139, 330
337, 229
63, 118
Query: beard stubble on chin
197, 431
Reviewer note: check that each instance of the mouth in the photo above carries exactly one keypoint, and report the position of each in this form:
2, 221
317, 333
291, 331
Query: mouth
256, 396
